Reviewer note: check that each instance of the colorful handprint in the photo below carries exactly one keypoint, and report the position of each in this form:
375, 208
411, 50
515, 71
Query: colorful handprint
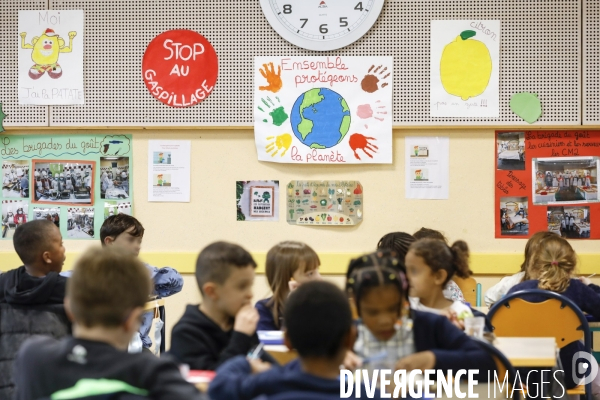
371, 81
359, 141
281, 142
273, 78
278, 114
365, 111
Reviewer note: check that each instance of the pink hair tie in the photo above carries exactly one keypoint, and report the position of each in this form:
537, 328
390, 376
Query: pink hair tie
554, 263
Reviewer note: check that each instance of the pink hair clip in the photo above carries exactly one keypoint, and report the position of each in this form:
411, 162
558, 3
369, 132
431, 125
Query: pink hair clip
554, 263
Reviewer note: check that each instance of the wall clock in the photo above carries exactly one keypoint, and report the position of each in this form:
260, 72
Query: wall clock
321, 24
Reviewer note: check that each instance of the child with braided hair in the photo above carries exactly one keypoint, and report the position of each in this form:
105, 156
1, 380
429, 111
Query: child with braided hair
378, 286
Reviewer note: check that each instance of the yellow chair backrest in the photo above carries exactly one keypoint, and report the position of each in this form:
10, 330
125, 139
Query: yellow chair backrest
545, 319
468, 287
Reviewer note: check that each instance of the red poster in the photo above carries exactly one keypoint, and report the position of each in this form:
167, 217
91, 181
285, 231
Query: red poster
547, 180
180, 68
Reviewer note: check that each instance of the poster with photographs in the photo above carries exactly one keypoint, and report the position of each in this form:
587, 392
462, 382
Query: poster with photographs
116, 207
257, 200
14, 213
51, 214
547, 180
15, 179
80, 223
51, 174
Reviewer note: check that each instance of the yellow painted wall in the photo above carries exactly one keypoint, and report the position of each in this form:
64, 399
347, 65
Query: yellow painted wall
175, 232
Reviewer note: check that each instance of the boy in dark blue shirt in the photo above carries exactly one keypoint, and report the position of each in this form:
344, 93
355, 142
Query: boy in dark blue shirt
319, 327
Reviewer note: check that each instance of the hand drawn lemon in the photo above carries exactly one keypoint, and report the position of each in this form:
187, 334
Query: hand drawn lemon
466, 66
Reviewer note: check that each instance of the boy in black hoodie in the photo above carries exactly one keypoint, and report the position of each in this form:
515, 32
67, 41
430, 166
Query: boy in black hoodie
40, 247
224, 325
31, 296
105, 299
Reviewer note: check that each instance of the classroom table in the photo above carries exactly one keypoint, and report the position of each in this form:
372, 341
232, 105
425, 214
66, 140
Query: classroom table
281, 353
528, 351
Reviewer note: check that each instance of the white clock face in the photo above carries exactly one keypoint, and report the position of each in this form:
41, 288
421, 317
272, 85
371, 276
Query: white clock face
321, 24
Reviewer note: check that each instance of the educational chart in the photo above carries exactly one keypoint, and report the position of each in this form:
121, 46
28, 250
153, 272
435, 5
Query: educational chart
547, 180
180, 68
169, 170
465, 68
257, 200
327, 110
50, 57
427, 167
336, 203
65, 178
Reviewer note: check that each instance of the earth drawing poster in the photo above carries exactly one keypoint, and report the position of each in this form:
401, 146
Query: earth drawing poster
323, 110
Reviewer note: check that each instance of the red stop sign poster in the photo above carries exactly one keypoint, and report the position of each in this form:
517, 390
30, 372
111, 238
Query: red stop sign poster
180, 68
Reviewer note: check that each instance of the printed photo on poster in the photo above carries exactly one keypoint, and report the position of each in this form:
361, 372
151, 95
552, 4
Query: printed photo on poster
51, 214
513, 216
420, 174
569, 222
65, 182
114, 177
510, 147
15, 179
50, 57
257, 200
80, 223
14, 213
162, 180
565, 179
116, 207
161, 157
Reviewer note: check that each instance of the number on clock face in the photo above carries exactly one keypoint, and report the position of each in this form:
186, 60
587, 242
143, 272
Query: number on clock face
321, 19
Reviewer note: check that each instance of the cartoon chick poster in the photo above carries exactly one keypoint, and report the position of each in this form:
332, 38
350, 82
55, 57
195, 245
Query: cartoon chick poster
50, 57
465, 68
323, 110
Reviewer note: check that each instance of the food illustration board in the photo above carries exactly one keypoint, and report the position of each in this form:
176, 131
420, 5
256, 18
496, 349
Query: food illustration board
547, 180
327, 110
75, 181
335, 203
465, 68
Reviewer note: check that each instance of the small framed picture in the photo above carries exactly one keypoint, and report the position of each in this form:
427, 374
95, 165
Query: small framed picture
261, 201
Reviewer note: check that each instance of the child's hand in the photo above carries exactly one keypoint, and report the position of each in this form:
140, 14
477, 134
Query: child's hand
352, 361
584, 280
422, 360
257, 365
246, 320
451, 315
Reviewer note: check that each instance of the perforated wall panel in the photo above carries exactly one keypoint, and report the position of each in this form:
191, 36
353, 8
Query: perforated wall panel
591, 62
540, 53
9, 40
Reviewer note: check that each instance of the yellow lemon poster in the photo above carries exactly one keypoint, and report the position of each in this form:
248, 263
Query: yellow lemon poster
465, 68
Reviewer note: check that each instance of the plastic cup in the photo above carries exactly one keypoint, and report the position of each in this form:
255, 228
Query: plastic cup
474, 326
